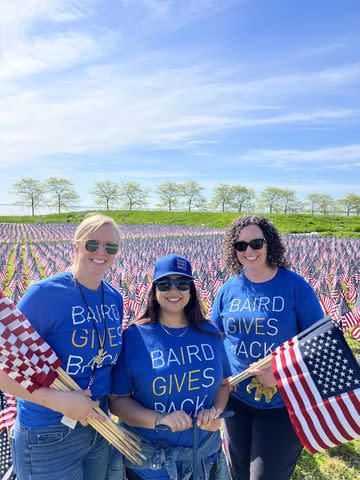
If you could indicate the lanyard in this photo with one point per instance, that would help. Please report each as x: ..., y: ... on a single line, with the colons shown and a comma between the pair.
x: 101, y: 353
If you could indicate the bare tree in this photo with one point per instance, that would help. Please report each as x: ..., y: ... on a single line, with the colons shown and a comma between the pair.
x: 271, y: 198
x: 29, y: 192
x: 351, y: 202
x: 241, y: 197
x: 62, y: 193
x: 288, y: 200
x: 191, y: 192
x: 106, y: 193
x: 168, y: 193
x: 326, y: 204
x: 132, y: 194
x: 222, y: 197
x: 313, y: 201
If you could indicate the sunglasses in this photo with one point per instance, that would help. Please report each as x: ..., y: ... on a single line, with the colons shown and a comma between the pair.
x: 181, y: 284
x: 93, y: 245
x: 255, y: 244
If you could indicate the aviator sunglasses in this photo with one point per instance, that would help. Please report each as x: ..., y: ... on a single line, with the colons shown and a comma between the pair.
x: 93, y: 245
x: 255, y: 244
x: 181, y: 284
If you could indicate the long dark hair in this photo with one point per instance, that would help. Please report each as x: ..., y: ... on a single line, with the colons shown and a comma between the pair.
x: 276, y: 253
x: 193, y: 311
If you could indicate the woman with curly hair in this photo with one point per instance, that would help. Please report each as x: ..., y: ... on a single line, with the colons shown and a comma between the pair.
x: 261, y: 306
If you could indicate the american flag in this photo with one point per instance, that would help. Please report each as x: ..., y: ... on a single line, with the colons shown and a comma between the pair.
x: 5, y: 457
x: 319, y: 380
x: 24, y: 355
x: 355, y: 332
x: 7, y: 419
x: 349, y: 318
x: 7, y: 410
x: 329, y: 264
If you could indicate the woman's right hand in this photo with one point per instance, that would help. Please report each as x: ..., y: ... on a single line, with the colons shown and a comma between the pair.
x: 265, y: 375
x: 177, y: 421
x: 75, y: 405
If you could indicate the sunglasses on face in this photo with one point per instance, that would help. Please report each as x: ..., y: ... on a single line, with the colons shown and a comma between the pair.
x: 93, y: 245
x: 181, y: 284
x: 255, y: 244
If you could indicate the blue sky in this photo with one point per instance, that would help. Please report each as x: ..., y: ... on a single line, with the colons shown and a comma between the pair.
x: 249, y: 92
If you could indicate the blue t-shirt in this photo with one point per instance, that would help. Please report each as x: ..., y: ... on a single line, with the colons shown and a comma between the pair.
x: 56, y: 309
x: 167, y: 372
x: 257, y: 317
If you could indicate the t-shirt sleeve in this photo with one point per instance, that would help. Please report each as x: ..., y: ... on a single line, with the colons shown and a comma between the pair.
x: 121, y: 378
x: 36, y: 305
x: 307, y: 306
x: 216, y: 312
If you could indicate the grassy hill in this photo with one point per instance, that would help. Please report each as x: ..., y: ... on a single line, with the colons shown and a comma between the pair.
x: 294, y: 223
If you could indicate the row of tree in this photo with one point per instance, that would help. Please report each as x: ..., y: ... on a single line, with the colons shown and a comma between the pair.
x: 60, y: 193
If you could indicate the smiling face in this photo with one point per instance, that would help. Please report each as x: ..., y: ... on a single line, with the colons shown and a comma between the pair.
x: 90, y: 267
x: 252, y: 260
x: 172, y: 302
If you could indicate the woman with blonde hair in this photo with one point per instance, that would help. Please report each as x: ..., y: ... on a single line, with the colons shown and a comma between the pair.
x: 80, y: 316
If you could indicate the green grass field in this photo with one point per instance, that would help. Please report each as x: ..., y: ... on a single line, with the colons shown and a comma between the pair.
x: 323, y: 224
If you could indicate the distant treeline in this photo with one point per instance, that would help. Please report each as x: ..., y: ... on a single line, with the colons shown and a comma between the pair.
x: 338, y: 225
x: 60, y: 194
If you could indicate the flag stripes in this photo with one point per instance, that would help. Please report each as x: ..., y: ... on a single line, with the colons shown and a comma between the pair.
x: 320, y: 421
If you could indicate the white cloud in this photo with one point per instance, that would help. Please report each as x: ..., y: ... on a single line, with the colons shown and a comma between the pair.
x: 106, y: 107
x: 338, y: 156
x: 60, y: 52
x: 173, y: 14
x: 18, y: 17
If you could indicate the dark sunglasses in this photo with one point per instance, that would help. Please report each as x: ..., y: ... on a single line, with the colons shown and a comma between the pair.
x: 255, y: 244
x: 181, y: 284
x: 93, y: 245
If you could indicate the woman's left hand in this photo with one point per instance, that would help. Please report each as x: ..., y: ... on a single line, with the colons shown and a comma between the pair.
x: 265, y: 375
x: 207, y: 419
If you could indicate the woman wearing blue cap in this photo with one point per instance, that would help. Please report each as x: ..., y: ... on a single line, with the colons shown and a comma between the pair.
x: 173, y: 368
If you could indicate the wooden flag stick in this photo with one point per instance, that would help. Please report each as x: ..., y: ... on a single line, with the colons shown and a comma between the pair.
x: 262, y: 363
x: 114, y: 440
x: 127, y: 442
x: 66, y: 379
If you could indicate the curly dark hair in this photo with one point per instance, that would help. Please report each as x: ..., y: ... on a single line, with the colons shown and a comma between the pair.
x: 275, y: 248
x: 193, y: 311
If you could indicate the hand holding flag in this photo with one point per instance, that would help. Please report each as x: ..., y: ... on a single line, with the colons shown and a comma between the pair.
x: 26, y: 358
x: 319, y: 380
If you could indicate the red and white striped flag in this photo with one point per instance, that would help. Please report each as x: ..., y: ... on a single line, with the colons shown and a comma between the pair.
x: 24, y: 355
x: 7, y: 410
x: 355, y: 332
x: 16, y: 323
x: 319, y: 380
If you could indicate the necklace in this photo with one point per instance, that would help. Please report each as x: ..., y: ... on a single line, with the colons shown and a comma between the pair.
x: 101, y: 353
x: 171, y: 334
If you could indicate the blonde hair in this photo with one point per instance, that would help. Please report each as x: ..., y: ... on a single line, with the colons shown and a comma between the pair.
x: 89, y: 225
x: 92, y: 223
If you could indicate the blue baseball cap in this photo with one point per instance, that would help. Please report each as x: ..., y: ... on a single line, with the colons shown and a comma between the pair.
x: 172, y: 265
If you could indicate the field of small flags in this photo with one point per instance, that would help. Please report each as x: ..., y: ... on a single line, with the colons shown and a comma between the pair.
x: 29, y: 252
